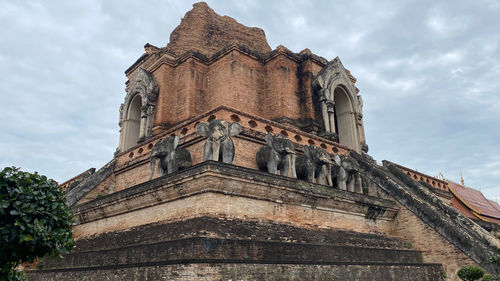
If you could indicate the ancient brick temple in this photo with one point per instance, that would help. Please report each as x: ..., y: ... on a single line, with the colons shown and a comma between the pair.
x: 239, y: 162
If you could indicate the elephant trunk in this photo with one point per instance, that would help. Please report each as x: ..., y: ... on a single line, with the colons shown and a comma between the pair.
x: 292, y: 165
x: 171, y: 163
x: 152, y: 165
x: 215, y: 150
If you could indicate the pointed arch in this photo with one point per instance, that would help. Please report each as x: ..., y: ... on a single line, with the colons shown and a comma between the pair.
x: 334, y: 85
x: 137, y: 112
x: 345, y: 120
x: 133, y: 122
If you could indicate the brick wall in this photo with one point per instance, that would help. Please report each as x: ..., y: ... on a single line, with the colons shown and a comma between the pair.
x: 435, y: 248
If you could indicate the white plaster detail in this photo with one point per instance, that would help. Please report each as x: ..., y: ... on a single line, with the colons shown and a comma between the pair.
x: 138, y: 110
x: 341, y: 107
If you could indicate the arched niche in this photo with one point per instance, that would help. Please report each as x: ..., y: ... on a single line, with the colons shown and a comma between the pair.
x: 138, y: 110
x: 345, y: 120
x: 132, y: 122
x: 340, y: 106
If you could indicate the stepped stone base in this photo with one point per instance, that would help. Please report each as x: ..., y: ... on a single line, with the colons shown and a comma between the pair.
x: 210, y: 248
x: 235, y: 271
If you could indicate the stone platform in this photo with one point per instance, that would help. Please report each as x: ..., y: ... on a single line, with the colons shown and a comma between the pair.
x: 219, y: 249
x: 222, y: 222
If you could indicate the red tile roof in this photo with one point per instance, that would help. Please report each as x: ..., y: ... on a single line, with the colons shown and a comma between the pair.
x: 475, y: 201
x: 457, y: 204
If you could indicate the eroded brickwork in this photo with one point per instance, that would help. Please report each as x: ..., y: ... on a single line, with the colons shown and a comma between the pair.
x: 233, y: 193
x: 435, y: 248
x: 204, y: 31
x: 247, y: 272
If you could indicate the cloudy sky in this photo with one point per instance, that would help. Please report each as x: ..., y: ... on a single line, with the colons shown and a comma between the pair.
x: 428, y: 71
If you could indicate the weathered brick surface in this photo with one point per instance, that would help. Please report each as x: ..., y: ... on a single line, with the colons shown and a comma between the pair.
x: 435, y: 248
x: 204, y: 31
x: 238, y: 251
x: 271, y: 89
x: 244, y: 272
x: 237, y: 229
x: 435, y: 227
x: 241, y: 249
x: 215, y: 189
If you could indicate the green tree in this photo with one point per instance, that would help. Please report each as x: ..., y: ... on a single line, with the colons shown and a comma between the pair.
x: 495, y: 260
x: 488, y: 277
x: 470, y: 273
x: 35, y: 221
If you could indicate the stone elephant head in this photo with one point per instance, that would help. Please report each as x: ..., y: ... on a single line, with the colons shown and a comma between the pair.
x: 315, y: 164
x: 347, y: 173
x: 278, y: 154
x: 171, y: 158
x: 339, y: 173
x: 219, y: 145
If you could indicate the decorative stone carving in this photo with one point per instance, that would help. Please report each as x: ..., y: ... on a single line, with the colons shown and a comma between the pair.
x: 339, y: 111
x: 327, y: 80
x: 279, y: 154
x: 315, y: 164
x: 353, y: 180
x: 339, y: 173
x: 219, y: 145
x: 171, y: 158
x: 144, y: 85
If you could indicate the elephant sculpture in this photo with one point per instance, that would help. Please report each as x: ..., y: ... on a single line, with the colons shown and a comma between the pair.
x: 339, y: 173
x: 171, y: 158
x: 315, y: 164
x: 353, y: 177
x: 219, y: 145
x: 279, y: 154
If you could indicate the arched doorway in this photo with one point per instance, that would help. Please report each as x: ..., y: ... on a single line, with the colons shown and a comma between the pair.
x: 345, y: 122
x: 133, y: 122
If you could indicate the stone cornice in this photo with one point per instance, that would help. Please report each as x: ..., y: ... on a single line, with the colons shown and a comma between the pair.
x: 228, y: 179
x: 164, y: 57
x: 177, y: 128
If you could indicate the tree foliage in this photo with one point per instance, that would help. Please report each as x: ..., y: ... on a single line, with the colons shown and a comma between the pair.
x: 495, y: 260
x: 34, y: 220
x: 488, y: 277
x: 470, y: 273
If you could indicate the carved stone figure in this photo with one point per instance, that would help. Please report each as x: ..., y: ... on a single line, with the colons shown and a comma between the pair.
x: 171, y: 158
x: 315, y: 164
x: 339, y: 173
x: 353, y: 180
x: 279, y: 154
x: 219, y: 145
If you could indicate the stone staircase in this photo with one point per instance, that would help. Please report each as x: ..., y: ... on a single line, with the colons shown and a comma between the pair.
x: 417, y: 197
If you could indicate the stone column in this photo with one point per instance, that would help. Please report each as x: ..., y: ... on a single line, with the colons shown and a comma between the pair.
x: 150, y: 120
x: 143, y: 126
x: 324, y: 109
x: 330, y: 105
x: 121, y: 145
x: 327, y: 110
